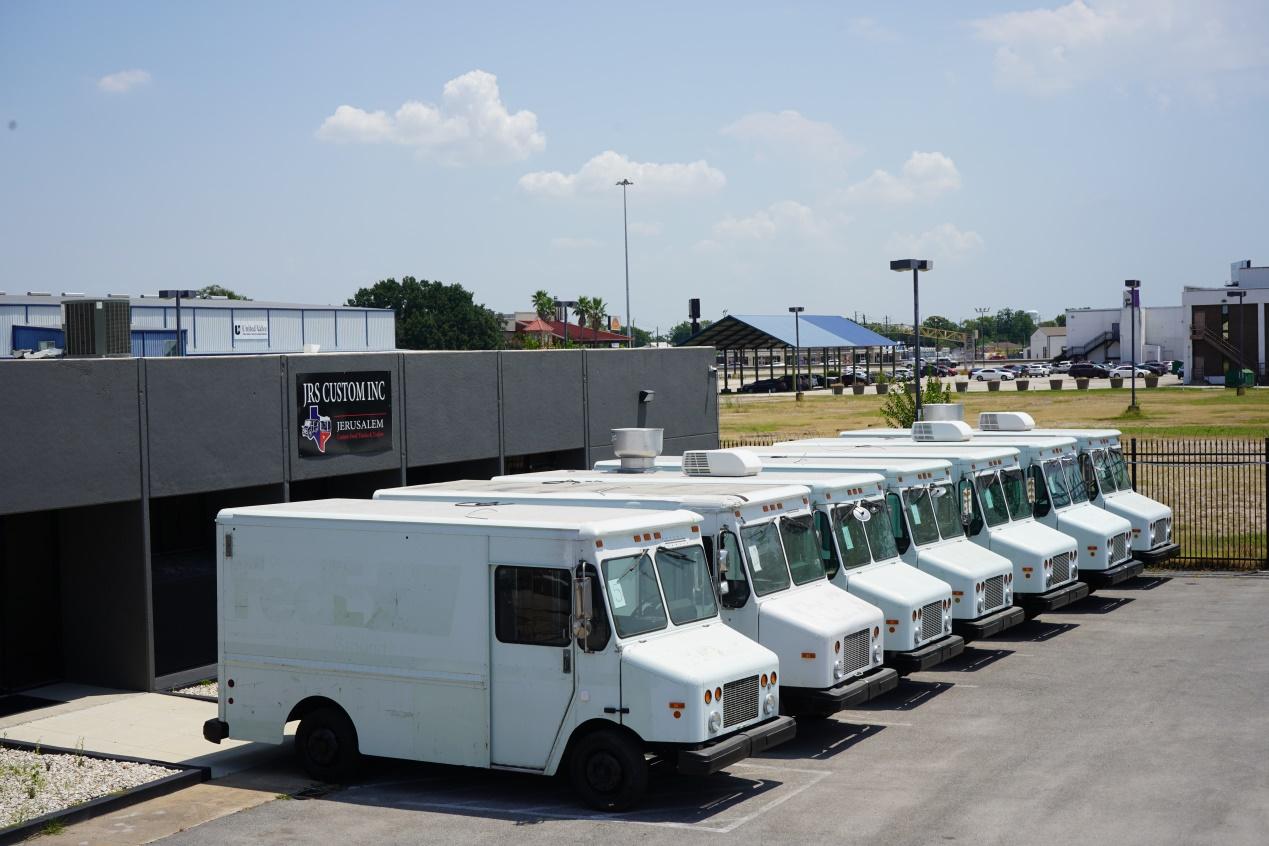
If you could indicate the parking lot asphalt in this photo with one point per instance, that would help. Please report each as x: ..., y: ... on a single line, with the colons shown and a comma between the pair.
x: 1136, y: 716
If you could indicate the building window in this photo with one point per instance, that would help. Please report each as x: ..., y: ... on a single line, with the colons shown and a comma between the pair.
x: 531, y: 605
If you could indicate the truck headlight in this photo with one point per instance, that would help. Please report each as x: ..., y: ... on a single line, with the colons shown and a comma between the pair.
x: 715, y: 721
x: 839, y: 669
x: 769, y: 704
x: 1075, y: 571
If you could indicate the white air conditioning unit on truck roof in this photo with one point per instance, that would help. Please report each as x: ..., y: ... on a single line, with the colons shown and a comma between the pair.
x: 721, y: 462
x: 941, y: 431
x: 1005, y: 421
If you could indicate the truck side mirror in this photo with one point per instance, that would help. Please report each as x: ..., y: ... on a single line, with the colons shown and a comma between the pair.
x: 1031, y: 489
x: 723, y: 556
x: 967, y: 503
x: 583, y: 607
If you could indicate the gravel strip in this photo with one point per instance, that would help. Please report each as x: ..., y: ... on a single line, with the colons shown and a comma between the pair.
x: 32, y: 785
x: 208, y: 688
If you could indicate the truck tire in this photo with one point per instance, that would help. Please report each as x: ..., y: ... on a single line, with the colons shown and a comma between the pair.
x: 608, y: 770
x: 326, y: 743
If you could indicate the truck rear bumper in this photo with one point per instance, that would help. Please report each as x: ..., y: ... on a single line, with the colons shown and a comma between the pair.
x: 925, y: 657
x: 1060, y: 597
x: 726, y: 751
x: 1113, y: 575
x: 1157, y: 555
x: 990, y: 624
x: 808, y: 700
x: 215, y: 730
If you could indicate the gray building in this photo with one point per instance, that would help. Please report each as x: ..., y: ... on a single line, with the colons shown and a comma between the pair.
x: 113, y: 471
x: 218, y: 326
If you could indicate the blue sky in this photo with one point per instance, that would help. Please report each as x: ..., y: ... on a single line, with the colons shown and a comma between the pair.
x: 1040, y: 154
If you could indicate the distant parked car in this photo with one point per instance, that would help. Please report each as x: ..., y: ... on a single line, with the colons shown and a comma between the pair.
x: 856, y: 377
x: 1038, y: 370
x: 1125, y: 370
x: 1062, y: 367
x: 1088, y: 370
x: 1159, y: 368
x: 994, y: 374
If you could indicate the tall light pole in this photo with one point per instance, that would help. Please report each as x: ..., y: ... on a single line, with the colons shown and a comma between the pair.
x: 1242, y: 334
x: 797, y: 351
x: 1133, y: 292
x: 171, y: 293
x: 982, y: 312
x: 625, y: 230
x: 916, y: 266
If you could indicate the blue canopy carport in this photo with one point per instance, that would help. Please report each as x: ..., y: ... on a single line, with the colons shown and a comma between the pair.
x: 737, y: 333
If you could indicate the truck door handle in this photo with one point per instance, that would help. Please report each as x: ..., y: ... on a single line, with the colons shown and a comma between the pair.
x: 611, y: 710
x: 568, y: 661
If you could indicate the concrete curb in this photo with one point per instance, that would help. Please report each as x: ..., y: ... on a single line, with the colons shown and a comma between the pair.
x: 187, y: 776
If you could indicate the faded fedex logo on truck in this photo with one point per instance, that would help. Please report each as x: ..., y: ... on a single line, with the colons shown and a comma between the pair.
x: 344, y: 413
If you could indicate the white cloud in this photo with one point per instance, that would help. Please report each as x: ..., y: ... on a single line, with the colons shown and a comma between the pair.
x: 944, y: 241
x: 605, y: 170
x: 123, y: 81
x: 924, y: 176
x: 470, y: 126
x: 788, y: 132
x: 785, y: 218
x: 1047, y: 51
x: 567, y: 243
x: 647, y: 229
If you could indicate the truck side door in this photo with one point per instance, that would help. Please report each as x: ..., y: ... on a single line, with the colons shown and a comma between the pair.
x: 531, y: 663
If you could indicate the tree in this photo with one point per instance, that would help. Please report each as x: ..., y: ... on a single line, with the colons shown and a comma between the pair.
x: 1060, y: 320
x: 433, y: 315
x: 936, y: 321
x: 598, y: 313
x: 582, y: 310
x: 544, y: 305
x: 899, y: 407
x: 642, y: 338
x: 220, y: 291
x: 680, y: 332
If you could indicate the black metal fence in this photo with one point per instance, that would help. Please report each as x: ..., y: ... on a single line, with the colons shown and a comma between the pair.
x: 1218, y: 489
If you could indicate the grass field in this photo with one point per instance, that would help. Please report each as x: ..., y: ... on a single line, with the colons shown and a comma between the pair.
x: 1165, y: 412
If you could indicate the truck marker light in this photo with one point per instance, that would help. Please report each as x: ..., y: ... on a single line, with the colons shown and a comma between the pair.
x: 599, y: 544
x: 678, y: 714
x: 947, y: 603
x: 1092, y: 549
x: 828, y: 495
x: 709, y: 696
x: 764, y: 675
x: 915, y: 614
x: 837, y: 646
x: 737, y: 513
x: 892, y: 623
x: 958, y: 593
x: 764, y: 508
x: 696, y: 529
x: 647, y: 536
x: 876, y: 630
x: 679, y: 706
x: 656, y: 536
x: 1008, y: 578
x: 806, y: 500
x: 636, y: 538
x: 718, y: 694
x: 773, y: 677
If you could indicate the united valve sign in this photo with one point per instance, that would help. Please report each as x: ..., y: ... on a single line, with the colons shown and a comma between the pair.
x: 344, y: 413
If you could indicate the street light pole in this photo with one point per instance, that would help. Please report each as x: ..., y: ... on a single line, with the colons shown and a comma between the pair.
x: 916, y: 266
x: 797, y: 350
x: 176, y: 294
x: 1134, y: 297
x: 625, y: 236
x: 982, y: 312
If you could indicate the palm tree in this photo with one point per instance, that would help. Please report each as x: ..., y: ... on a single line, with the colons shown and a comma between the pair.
x: 544, y: 305
x: 583, y: 310
x: 598, y: 312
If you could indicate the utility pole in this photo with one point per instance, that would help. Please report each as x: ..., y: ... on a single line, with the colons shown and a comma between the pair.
x: 625, y: 227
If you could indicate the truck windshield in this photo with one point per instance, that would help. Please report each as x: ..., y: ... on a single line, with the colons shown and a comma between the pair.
x: 947, y: 509
x: 803, y: 548
x: 880, y: 536
x: 1056, y: 477
x: 1015, y: 484
x: 1074, y: 479
x: 1115, y: 457
x: 920, y: 516
x: 852, y: 538
x: 767, y: 566
x: 633, y: 594
x: 1105, y: 477
x: 993, y: 497
x: 685, y: 579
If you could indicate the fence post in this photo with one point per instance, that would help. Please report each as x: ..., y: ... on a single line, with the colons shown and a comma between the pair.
x: 1265, y: 456
x: 1134, y: 463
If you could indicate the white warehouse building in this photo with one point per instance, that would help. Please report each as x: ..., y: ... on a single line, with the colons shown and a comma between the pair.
x: 1106, y: 334
x: 214, y: 326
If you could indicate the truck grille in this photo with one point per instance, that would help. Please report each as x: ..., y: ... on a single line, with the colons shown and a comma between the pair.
x: 740, y: 701
x: 1118, y: 548
x: 994, y: 594
x: 855, y: 652
x: 932, y: 620
x: 1160, y: 532
x: 1061, y: 568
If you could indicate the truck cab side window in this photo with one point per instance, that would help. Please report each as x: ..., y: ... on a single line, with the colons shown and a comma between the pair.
x: 898, y: 527
x: 737, y: 593
x: 532, y: 605
x: 600, y: 629
x: 828, y: 554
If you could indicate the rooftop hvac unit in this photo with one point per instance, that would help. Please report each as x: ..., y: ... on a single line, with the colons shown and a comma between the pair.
x: 721, y: 462
x: 941, y: 431
x: 98, y: 328
x: 637, y: 448
x: 1005, y: 421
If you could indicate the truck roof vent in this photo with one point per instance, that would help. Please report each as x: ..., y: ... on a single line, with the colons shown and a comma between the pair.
x: 721, y: 462
x: 637, y: 448
x: 943, y: 431
x: 1005, y: 421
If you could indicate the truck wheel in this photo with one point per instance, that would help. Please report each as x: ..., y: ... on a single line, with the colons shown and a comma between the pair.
x: 608, y: 770
x: 326, y: 743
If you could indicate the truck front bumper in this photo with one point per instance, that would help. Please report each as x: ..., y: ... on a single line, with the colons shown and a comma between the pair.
x: 813, y: 701
x: 722, y: 753
x: 1112, y: 576
x: 215, y: 730
x: 1157, y: 555
x: 989, y: 624
x: 1059, y: 597
x: 925, y: 657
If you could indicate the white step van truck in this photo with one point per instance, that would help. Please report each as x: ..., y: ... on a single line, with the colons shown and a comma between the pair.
x: 1107, y: 482
x: 996, y: 507
x: 860, y: 554
x: 519, y: 637
x: 1103, y: 538
x: 774, y: 591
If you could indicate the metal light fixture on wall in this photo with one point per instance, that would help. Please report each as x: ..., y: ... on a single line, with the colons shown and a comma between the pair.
x: 797, y: 352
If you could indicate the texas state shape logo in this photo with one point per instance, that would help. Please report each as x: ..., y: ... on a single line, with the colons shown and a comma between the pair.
x: 316, y: 428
